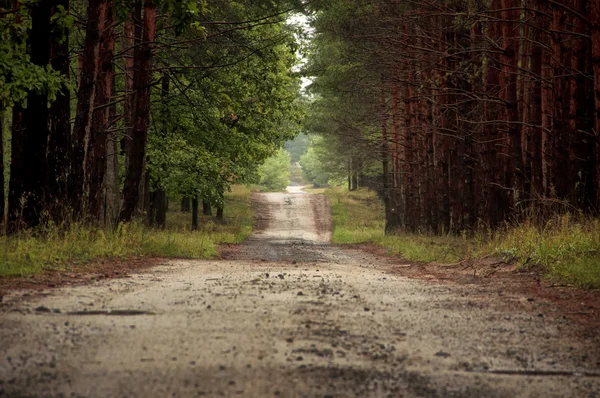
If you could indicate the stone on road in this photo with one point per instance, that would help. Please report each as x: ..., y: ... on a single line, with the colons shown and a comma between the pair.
x: 288, y: 315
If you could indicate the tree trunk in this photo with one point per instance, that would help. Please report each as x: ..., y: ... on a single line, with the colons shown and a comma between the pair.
x: 354, y: 180
x: 142, y: 114
x: 206, y: 207
x: 59, y: 142
x: 15, y: 185
x: 132, y: 37
x: 220, y: 203
x: 29, y: 167
x: 85, y: 104
x: 548, y: 79
x: 508, y: 89
x: 185, y: 205
x: 111, y: 182
x: 595, y: 16
x: 390, y: 221
x: 533, y: 98
x: 97, y: 151
x: 157, y: 212
x: 2, y: 209
x: 195, y: 213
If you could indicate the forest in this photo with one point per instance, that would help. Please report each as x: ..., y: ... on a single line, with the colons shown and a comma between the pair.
x: 463, y: 114
x: 466, y: 117
x: 110, y: 107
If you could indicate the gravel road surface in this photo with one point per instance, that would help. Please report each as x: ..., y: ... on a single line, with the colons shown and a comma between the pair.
x: 289, y: 315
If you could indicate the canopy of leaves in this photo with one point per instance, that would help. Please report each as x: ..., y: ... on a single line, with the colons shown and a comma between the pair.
x: 233, y: 100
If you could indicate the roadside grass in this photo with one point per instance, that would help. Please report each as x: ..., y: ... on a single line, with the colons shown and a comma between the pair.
x: 32, y: 252
x: 567, y: 247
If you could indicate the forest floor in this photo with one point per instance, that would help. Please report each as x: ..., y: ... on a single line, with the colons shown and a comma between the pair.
x: 288, y: 314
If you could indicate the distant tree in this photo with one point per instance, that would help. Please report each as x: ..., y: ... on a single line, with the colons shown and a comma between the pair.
x: 274, y: 172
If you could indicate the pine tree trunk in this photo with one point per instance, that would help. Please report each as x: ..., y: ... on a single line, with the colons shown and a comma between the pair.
x: 2, y: 209
x: 595, y: 17
x: 59, y: 142
x: 111, y: 182
x: 15, y: 185
x: 398, y: 159
x: 534, y: 119
x: 85, y: 105
x: 508, y: 86
x: 142, y: 114
x: 157, y: 210
x: 29, y: 167
x: 547, y: 112
x: 96, y: 159
x: 390, y: 221
x: 132, y: 36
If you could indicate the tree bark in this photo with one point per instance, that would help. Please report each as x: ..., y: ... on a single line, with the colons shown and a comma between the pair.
x: 2, y: 208
x: 595, y: 18
x: 157, y: 212
x: 508, y: 89
x: 195, y: 213
x: 59, y: 142
x: 111, y: 182
x: 29, y: 167
x: 132, y: 36
x: 185, y: 205
x: 142, y: 114
x: 206, y: 207
x: 85, y: 105
x: 15, y: 185
x: 96, y: 159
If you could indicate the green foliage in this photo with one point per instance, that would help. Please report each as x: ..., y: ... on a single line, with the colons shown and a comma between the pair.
x: 232, y: 110
x: 567, y: 247
x: 274, y: 173
x: 18, y: 75
x: 324, y: 164
x: 66, y: 248
x: 297, y: 147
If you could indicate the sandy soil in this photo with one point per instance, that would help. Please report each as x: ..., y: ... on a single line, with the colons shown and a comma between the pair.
x: 287, y: 314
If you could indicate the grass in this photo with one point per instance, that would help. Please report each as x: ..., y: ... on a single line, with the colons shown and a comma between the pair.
x: 567, y: 247
x: 59, y: 249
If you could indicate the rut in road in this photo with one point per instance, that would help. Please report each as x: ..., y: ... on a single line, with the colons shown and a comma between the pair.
x: 289, y: 315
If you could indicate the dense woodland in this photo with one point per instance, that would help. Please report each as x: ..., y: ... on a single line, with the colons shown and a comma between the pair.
x: 480, y: 112
x: 463, y: 114
x: 110, y: 106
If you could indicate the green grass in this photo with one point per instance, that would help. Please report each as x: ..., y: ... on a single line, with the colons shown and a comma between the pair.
x: 567, y: 247
x: 59, y: 249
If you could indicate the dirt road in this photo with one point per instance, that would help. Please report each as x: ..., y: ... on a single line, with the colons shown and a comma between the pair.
x: 288, y: 315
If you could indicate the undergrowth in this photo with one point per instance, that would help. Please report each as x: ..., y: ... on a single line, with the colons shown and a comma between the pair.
x: 567, y: 247
x: 56, y: 248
